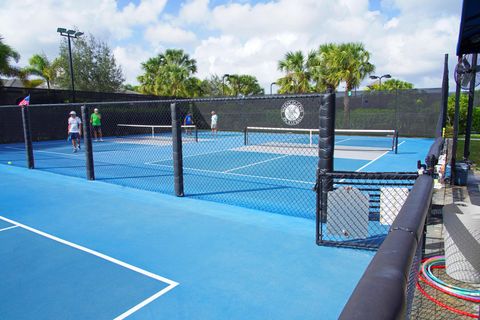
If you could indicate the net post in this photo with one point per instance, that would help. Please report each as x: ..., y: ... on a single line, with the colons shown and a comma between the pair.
x: 245, y: 139
x: 27, y: 134
x: 395, y: 141
x: 87, y: 136
x: 177, y: 151
x: 196, y: 134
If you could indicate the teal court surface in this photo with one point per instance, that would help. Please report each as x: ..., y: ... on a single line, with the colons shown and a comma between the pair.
x: 240, y: 244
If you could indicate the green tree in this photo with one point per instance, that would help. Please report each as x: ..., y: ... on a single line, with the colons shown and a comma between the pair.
x: 243, y: 84
x: 168, y: 74
x: 131, y: 87
x: 334, y: 63
x: 354, y: 67
x: 324, y: 69
x: 212, y: 86
x: 94, y: 66
x: 7, y: 55
x: 39, y: 65
x: 390, y: 85
x: 463, y: 113
x: 297, y: 78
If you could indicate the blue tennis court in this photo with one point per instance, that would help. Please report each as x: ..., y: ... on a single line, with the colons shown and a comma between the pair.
x: 222, y: 168
x: 77, y: 249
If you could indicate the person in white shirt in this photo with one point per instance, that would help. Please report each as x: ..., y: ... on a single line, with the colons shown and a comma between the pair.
x: 214, y: 123
x: 74, y: 130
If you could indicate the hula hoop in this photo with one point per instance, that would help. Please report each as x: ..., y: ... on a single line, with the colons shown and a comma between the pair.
x: 426, y: 276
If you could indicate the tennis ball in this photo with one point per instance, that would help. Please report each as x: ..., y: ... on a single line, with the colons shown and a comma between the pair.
x: 9, y: 162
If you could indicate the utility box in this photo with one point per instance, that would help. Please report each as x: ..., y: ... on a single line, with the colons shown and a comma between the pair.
x: 461, y: 174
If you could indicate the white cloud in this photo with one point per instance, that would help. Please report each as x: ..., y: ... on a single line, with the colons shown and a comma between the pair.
x: 164, y: 33
x: 30, y: 26
x: 239, y: 37
x: 194, y: 11
x: 130, y: 58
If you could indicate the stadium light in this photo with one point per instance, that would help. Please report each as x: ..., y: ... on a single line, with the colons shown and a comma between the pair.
x: 226, y: 75
x: 386, y: 76
x: 70, y: 34
x: 271, y: 85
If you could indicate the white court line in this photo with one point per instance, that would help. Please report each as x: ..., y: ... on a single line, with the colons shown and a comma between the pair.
x: 144, y: 302
x: 8, y: 228
x: 343, y: 140
x: 361, y: 168
x: 52, y: 152
x: 236, y: 174
x: 256, y: 163
x: 171, y: 284
x: 193, y: 155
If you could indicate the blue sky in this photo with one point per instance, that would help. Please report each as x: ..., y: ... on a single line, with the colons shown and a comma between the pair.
x: 406, y: 38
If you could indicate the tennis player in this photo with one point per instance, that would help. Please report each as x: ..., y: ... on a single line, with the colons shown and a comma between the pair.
x: 74, y: 130
x: 96, y: 121
x: 214, y: 123
x: 188, y: 121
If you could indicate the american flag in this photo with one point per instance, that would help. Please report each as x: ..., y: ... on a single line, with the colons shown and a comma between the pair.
x: 25, y: 102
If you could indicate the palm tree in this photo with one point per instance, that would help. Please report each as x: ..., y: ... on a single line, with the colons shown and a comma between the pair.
x: 348, y: 62
x: 297, y: 78
x: 354, y: 67
x: 168, y: 73
x: 7, y: 54
x: 42, y: 67
x: 324, y: 71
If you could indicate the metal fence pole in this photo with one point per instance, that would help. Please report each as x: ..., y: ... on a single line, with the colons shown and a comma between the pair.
x: 27, y: 134
x: 471, y: 95
x: 87, y: 136
x: 177, y: 151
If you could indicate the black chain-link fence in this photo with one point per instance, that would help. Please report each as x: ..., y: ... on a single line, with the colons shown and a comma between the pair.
x: 412, y: 113
x: 357, y: 209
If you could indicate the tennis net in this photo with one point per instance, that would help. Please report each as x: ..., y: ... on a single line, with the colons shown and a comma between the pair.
x: 154, y: 133
x: 345, y: 139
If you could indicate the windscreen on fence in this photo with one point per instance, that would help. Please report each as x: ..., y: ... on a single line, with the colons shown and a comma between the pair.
x: 223, y: 160
x: 413, y: 113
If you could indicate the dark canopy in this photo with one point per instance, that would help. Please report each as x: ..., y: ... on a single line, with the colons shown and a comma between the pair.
x: 469, y: 36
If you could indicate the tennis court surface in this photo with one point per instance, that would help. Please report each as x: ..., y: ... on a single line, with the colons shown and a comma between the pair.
x: 76, y: 249
x: 240, y: 243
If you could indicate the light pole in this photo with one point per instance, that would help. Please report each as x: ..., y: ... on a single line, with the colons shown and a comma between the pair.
x: 226, y: 75
x: 386, y: 76
x: 271, y: 85
x: 70, y: 34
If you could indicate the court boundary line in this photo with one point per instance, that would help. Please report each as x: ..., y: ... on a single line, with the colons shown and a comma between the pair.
x: 52, y: 152
x: 171, y: 284
x: 8, y: 228
x: 236, y: 174
x: 255, y: 163
x: 377, y: 158
x: 189, y: 156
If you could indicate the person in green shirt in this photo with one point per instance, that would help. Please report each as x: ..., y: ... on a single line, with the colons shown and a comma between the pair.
x: 96, y: 121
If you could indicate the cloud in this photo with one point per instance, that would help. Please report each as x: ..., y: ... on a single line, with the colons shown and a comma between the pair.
x: 164, y: 33
x: 194, y: 11
x: 243, y: 37
x: 130, y: 58
x: 30, y: 26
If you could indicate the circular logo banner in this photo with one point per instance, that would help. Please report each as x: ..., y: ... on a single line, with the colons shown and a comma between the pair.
x: 292, y: 112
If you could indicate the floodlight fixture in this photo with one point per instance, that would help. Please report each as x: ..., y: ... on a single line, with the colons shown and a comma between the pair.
x: 70, y: 34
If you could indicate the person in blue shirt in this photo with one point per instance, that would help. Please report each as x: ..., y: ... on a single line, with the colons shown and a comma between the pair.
x: 188, y: 121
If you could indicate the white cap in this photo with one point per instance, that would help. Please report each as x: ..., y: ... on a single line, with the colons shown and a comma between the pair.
x: 95, y: 110
x: 73, y: 112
